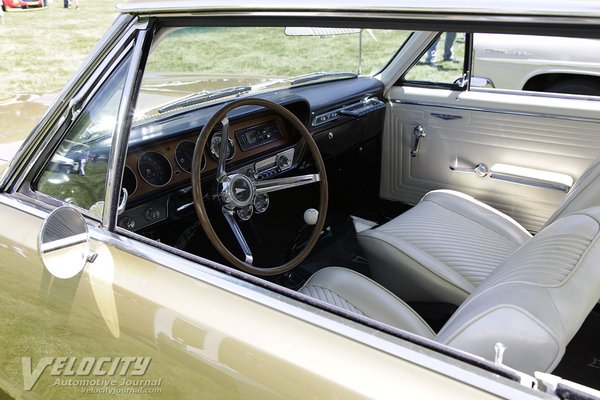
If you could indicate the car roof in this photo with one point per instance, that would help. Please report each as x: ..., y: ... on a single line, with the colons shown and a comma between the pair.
x: 428, y: 9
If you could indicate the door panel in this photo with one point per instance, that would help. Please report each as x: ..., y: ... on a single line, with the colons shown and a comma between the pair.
x: 464, y: 129
x: 156, y: 332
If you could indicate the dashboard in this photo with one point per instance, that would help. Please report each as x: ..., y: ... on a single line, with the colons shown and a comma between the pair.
x: 168, y: 164
x: 158, y: 168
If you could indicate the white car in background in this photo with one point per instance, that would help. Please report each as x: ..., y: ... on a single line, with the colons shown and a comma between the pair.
x: 538, y: 63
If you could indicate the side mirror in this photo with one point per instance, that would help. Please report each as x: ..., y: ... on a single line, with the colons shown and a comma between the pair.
x: 64, y: 243
x: 476, y: 82
x: 481, y: 82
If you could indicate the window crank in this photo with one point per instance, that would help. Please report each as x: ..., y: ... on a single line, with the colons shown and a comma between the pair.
x: 418, y: 133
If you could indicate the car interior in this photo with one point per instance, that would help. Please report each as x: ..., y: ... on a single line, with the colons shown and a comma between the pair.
x: 457, y: 214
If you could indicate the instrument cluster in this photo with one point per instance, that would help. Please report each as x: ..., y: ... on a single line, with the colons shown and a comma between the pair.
x: 169, y: 163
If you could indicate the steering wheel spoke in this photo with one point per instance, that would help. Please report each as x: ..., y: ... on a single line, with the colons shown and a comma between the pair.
x: 223, y: 149
x: 237, y: 232
x: 273, y: 185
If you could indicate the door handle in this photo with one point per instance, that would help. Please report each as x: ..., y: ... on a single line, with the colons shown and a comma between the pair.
x: 480, y: 169
x: 418, y: 133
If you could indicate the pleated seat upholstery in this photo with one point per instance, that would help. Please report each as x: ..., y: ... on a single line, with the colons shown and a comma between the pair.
x: 441, y: 249
x: 534, y: 302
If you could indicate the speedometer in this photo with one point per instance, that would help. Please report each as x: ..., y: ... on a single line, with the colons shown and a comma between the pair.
x: 215, y: 147
x: 154, y: 168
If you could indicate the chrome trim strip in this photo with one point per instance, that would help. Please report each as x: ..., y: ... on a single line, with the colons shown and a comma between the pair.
x: 415, y: 9
x: 116, y: 162
x: 527, y: 181
x: 414, y: 20
x: 446, y: 117
x: 529, y: 93
x: 507, y: 112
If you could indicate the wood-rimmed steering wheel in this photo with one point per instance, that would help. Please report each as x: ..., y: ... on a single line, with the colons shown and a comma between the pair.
x: 238, y: 192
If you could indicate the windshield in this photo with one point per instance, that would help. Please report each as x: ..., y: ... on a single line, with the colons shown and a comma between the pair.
x: 193, y: 63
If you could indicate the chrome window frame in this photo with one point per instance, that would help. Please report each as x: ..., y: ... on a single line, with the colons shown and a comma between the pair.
x: 21, y: 164
x: 81, y: 92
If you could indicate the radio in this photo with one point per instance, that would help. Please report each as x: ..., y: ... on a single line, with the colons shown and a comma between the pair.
x: 274, y: 165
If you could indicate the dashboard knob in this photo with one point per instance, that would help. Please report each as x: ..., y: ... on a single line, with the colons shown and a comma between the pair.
x: 283, y: 162
x: 128, y: 223
x: 152, y: 214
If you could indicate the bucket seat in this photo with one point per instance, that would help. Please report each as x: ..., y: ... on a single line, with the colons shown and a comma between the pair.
x: 448, y: 244
x: 533, y: 302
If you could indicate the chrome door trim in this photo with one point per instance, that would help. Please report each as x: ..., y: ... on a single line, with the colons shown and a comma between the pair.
x: 487, y: 110
x: 116, y: 162
x: 522, y: 180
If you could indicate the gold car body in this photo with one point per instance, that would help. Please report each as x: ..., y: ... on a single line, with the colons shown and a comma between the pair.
x: 208, y: 332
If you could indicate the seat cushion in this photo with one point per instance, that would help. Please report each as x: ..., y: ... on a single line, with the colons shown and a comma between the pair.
x: 442, y: 248
x: 354, y: 292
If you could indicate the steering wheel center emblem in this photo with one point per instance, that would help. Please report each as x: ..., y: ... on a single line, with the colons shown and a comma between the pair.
x: 242, y: 189
x: 236, y: 191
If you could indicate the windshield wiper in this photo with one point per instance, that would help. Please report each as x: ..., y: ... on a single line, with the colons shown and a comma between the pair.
x: 315, y: 76
x: 204, y: 96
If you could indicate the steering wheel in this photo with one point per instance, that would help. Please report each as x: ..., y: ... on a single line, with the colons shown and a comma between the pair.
x: 237, y: 192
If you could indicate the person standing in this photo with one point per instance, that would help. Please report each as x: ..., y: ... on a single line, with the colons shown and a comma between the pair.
x: 448, y: 54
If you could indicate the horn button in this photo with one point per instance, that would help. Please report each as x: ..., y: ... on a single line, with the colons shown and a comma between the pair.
x: 236, y: 191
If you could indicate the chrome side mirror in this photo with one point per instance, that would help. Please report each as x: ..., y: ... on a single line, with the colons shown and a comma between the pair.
x: 64, y: 243
x: 481, y: 82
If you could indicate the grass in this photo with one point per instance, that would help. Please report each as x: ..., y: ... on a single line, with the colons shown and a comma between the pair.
x: 230, y: 50
x: 42, y: 49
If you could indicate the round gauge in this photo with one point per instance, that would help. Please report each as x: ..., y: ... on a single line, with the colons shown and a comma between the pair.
x: 129, y: 181
x: 154, y: 168
x: 215, y: 147
x: 184, y: 153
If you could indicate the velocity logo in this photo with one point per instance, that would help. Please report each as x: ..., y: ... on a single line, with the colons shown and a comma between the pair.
x: 86, y: 366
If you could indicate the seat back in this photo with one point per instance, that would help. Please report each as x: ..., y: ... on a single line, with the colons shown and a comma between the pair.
x: 535, y: 301
x: 585, y: 193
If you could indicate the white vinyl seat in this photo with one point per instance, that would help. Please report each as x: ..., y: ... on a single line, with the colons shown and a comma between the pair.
x: 533, y: 302
x: 441, y: 249
x: 445, y: 246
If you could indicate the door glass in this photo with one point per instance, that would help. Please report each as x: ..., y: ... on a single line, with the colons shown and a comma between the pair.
x: 76, y: 173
